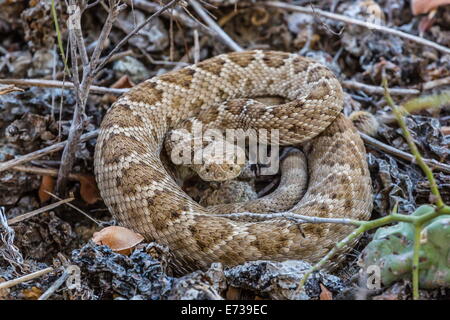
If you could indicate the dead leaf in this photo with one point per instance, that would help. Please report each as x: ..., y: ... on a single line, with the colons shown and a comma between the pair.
x: 445, y: 131
x: 88, y: 189
x: 123, y: 83
x: 47, y: 185
x: 233, y: 293
x: 119, y: 239
x: 325, y: 294
x: 32, y: 293
x: 425, y: 6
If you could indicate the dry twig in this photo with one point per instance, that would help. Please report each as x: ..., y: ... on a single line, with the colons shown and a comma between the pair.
x: 436, y: 83
x: 9, y: 89
x: 351, y: 84
x: 90, y: 68
x: 352, y: 21
x: 76, y: 209
x: 42, y: 152
x: 28, y: 277
x: 132, y: 33
x: 223, y: 36
x: 58, y: 84
x: 401, y: 154
x: 33, y: 213
x: 82, y: 87
x: 57, y: 284
x: 177, y: 15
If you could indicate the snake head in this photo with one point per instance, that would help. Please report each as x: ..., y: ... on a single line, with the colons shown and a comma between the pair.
x: 219, y: 171
x: 221, y: 162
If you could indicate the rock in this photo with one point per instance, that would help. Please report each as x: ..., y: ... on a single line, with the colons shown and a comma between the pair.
x: 133, y: 68
x: 153, y: 37
x: 279, y: 280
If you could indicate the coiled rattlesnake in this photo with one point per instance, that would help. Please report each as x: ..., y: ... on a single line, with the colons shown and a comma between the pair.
x: 142, y: 196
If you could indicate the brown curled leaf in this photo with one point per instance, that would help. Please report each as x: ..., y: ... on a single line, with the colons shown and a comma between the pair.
x: 47, y: 185
x: 425, y: 6
x: 445, y: 131
x: 325, y: 294
x: 123, y: 82
x: 88, y: 189
x: 119, y: 239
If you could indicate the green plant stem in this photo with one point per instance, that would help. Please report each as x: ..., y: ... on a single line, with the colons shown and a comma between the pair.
x: 444, y: 210
x: 427, y: 102
x: 355, y: 233
x: 59, y: 37
x: 415, y: 262
x: 412, y: 146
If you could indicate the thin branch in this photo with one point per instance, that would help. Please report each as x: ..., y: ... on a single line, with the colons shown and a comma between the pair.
x: 352, y: 21
x: 46, y: 172
x: 370, y: 89
x: 58, y: 84
x: 8, y: 89
x: 196, y: 47
x: 42, y: 152
x: 76, y: 128
x: 76, y: 208
x: 76, y: 10
x: 56, y: 285
x: 162, y: 62
x: 28, y: 277
x: 107, y: 26
x: 298, y: 218
x: 350, y: 84
x: 223, y: 36
x: 33, y: 213
x: 82, y: 88
x: 132, y: 33
x: 402, y: 154
x: 436, y: 83
x: 58, y: 36
x: 427, y: 102
x: 179, y: 16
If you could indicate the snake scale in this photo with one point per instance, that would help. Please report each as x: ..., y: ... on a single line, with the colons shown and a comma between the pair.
x: 142, y: 196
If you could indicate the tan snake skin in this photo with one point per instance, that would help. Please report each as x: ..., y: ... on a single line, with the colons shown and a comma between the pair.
x: 142, y: 196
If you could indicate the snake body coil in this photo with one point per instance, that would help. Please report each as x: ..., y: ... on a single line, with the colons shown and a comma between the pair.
x: 142, y: 196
